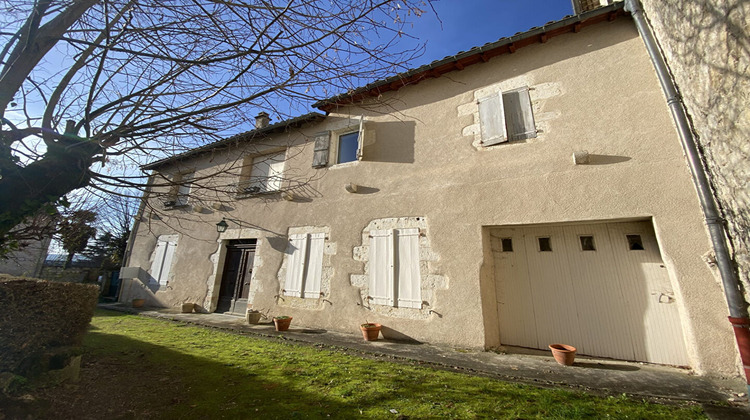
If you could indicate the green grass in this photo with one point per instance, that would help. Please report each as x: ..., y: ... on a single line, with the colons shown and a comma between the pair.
x: 213, y: 374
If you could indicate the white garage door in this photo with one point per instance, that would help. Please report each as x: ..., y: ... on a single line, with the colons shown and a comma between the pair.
x: 602, y: 288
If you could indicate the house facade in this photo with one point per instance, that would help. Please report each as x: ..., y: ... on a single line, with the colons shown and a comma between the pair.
x: 523, y: 193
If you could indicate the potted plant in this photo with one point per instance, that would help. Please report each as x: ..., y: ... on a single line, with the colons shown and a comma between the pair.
x: 564, y: 354
x: 370, y: 331
x: 282, y: 322
x: 253, y: 316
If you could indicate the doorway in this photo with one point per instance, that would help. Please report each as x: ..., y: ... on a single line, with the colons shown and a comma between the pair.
x: 235, y: 280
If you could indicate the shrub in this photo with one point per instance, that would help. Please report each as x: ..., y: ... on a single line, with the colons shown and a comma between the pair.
x: 37, y: 316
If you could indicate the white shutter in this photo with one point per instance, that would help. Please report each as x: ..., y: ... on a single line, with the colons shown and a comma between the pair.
x: 409, y: 282
x: 167, y: 262
x: 266, y: 173
x: 492, y: 120
x: 275, y: 171
x: 295, y: 267
x: 183, y: 191
x: 314, y: 265
x: 157, y: 264
x: 381, y: 267
x: 519, y: 114
x: 361, y: 138
x: 322, y: 147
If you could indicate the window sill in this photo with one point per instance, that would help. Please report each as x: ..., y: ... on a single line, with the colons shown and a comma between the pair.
x: 243, y: 196
x: 175, y: 207
x: 344, y: 165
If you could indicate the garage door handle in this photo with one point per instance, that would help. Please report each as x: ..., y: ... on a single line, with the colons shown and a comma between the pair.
x: 668, y: 299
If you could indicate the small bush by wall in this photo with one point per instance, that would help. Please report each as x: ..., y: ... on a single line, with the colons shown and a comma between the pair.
x: 37, y: 317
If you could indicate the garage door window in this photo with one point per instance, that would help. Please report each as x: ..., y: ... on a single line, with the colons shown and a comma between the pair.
x: 587, y: 243
x: 545, y: 244
x: 507, y: 244
x: 635, y: 243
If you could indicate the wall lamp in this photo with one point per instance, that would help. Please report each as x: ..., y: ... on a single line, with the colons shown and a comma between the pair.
x: 222, y: 226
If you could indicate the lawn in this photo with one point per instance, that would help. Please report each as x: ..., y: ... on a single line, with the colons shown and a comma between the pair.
x: 137, y: 367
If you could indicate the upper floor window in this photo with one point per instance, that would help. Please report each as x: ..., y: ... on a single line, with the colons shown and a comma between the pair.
x: 506, y: 116
x: 262, y: 173
x: 179, y: 192
x: 347, y: 145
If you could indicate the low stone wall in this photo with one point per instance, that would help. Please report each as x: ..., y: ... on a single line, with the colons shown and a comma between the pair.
x: 70, y: 274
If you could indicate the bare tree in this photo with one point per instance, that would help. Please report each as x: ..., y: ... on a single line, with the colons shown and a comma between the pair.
x: 89, y: 88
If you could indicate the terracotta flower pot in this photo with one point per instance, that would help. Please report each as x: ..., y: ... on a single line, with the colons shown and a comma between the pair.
x: 187, y: 308
x: 563, y: 353
x: 370, y: 332
x: 282, y: 323
x: 138, y: 303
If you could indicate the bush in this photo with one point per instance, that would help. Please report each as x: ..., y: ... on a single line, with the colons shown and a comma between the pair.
x: 37, y: 317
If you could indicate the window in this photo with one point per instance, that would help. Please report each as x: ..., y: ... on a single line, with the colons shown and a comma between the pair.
x: 348, y: 144
x: 348, y: 147
x: 394, y: 268
x: 263, y: 174
x: 635, y: 243
x: 179, y: 193
x: 506, y: 116
x: 507, y: 244
x: 545, y: 244
x: 587, y: 243
x: 304, y: 265
x: 163, y: 256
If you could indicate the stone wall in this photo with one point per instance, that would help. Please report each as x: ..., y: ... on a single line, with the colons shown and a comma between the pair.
x: 707, y: 46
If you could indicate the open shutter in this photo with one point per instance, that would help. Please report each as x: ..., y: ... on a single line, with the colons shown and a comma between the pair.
x: 295, y: 268
x: 518, y: 114
x: 361, y: 138
x: 167, y: 262
x: 409, y: 282
x: 492, y: 120
x: 322, y: 147
x: 158, y: 263
x: 183, y: 191
x: 275, y: 171
x: 381, y: 267
x: 314, y: 265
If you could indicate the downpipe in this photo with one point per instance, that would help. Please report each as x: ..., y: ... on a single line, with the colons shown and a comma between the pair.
x: 732, y: 290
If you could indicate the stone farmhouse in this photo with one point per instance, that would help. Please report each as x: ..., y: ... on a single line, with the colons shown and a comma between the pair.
x: 526, y: 192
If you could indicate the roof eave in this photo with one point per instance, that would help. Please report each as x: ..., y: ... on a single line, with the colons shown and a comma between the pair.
x: 476, y: 55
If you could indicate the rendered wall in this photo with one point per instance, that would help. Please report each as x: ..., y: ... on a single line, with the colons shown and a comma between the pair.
x: 594, y: 90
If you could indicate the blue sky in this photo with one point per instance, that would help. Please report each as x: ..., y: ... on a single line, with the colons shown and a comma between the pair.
x: 470, y: 23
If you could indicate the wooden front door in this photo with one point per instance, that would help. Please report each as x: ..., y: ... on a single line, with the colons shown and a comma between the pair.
x: 235, y: 280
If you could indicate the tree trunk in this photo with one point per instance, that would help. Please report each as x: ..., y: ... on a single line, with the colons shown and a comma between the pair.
x: 26, y: 190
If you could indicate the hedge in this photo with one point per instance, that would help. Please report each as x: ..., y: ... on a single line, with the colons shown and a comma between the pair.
x: 38, y: 316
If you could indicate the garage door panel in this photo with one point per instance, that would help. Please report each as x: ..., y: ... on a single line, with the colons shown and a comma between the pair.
x: 657, y: 332
x: 551, y: 287
x: 599, y: 293
x: 514, y: 299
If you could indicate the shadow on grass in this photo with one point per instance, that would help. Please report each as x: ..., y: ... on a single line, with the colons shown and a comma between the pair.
x: 240, y: 380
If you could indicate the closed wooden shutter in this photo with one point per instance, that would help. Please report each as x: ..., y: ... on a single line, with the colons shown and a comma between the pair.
x: 409, y: 289
x: 381, y: 267
x: 322, y: 147
x: 314, y: 265
x: 492, y: 120
x: 295, y: 269
x: 162, y: 264
x: 361, y: 139
x: 519, y: 117
x: 167, y: 263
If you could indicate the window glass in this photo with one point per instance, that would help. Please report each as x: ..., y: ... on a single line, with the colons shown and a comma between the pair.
x: 545, y: 244
x: 348, y: 147
x: 507, y: 244
x: 587, y: 243
x: 635, y: 243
